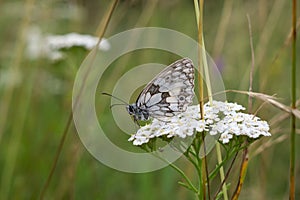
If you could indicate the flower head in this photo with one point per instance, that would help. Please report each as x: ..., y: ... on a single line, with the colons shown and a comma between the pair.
x: 221, y: 118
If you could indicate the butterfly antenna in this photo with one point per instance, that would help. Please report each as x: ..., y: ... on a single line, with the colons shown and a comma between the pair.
x: 118, y: 104
x: 104, y: 93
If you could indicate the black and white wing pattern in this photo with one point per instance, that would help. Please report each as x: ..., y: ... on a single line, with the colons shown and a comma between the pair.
x: 168, y: 94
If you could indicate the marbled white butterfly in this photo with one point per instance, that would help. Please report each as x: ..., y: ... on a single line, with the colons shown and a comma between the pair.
x: 168, y: 94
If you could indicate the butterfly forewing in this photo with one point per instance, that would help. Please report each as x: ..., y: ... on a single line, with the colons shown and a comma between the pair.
x: 170, y: 92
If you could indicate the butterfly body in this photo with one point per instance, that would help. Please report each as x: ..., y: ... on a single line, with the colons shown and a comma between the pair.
x: 138, y: 113
x: 168, y: 94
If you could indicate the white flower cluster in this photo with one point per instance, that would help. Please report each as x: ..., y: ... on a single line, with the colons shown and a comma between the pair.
x: 224, y: 118
x: 49, y: 46
x: 220, y: 118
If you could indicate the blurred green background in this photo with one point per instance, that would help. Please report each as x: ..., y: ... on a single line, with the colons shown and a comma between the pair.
x: 36, y: 94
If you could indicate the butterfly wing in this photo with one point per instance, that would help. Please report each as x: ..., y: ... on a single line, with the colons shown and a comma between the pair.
x: 170, y: 92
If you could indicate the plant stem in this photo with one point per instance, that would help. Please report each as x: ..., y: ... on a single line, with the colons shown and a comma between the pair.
x: 202, y: 177
x: 245, y: 158
x: 202, y: 63
x: 189, y: 182
x: 200, y: 57
x: 200, y: 169
x: 252, y: 65
x: 227, y: 174
x: 293, y: 118
x: 242, y: 175
x: 222, y: 176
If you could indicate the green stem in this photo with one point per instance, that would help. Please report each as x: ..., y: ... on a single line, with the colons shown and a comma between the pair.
x: 222, y: 174
x: 189, y: 182
x: 293, y: 118
x: 198, y: 166
x: 192, y: 160
x: 201, y: 182
x: 227, y: 174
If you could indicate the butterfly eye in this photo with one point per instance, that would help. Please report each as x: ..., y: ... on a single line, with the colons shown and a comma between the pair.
x: 129, y: 109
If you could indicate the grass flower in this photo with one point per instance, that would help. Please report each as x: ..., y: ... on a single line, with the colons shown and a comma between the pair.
x: 220, y: 118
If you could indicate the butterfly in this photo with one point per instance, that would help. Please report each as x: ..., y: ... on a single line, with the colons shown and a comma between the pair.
x: 167, y: 94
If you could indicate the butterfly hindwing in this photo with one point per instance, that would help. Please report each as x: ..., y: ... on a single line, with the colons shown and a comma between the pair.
x: 170, y: 92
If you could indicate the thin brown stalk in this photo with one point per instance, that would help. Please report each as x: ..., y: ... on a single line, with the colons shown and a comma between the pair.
x: 200, y: 60
x: 245, y: 158
x: 226, y: 176
x: 101, y: 30
x: 281, y: 116
x: 252, y: 64
x: 242, y: 175
x: 205, y: 167
x: 265, y: 37
x: 199, y: 10
x: 293, y: 117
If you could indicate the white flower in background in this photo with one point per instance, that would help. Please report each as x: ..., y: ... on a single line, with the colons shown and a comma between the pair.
x: 221, y: 118
x: 75, y: 39
x: 49, y: 46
